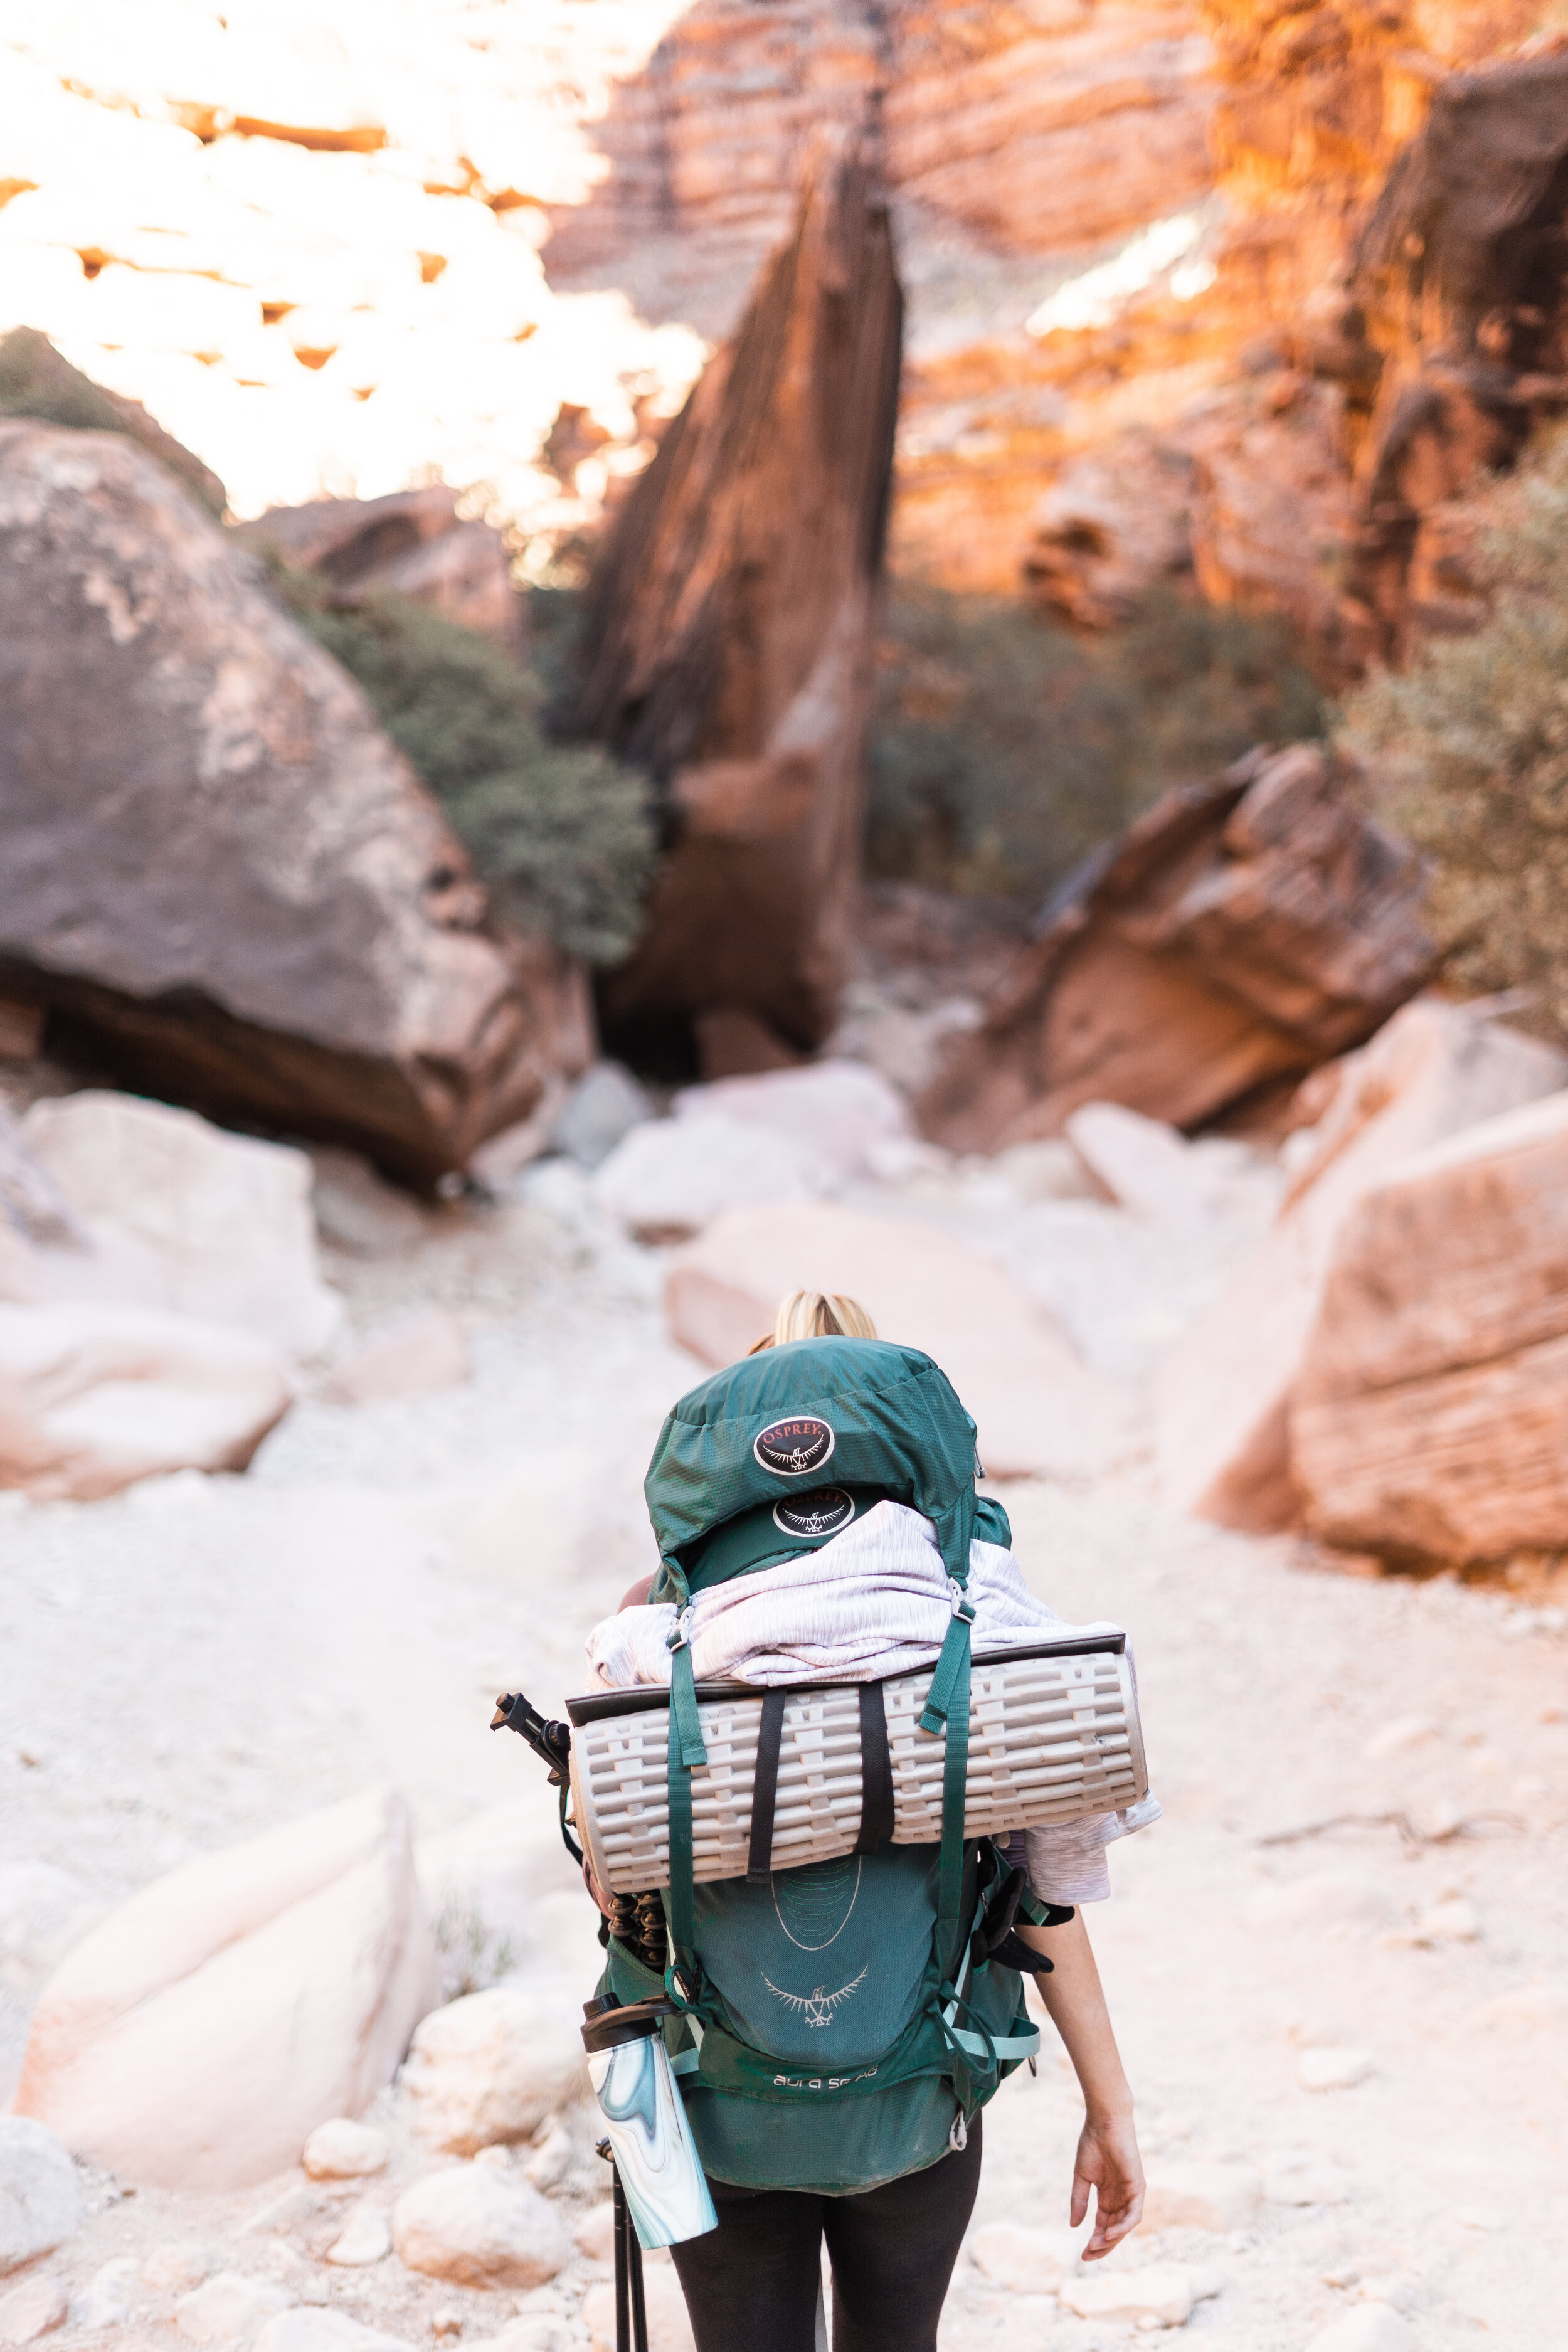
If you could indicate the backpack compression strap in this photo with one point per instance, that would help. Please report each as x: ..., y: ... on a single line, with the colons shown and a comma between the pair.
x: 686, y: 1752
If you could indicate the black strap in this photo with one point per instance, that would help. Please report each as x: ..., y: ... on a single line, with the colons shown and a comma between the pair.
x: 876, y: 1772
x: 765, y: 1789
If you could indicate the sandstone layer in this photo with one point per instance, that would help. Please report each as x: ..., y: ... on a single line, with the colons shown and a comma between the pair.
x: 728, y: 639
x: 219, y: 875
x: 1237, y: 932
x: 1430, y: 1415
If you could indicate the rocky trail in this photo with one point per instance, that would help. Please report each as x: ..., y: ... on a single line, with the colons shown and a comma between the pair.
x: 1336, y: 1965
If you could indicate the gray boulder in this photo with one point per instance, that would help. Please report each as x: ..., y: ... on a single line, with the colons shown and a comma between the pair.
x: 40, y: 2196
x: 216, y: 870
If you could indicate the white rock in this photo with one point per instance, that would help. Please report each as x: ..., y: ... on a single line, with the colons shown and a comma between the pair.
x: 1038, y: 1408
x: 185, y: 1216
x: 109, y: 2295
x: 35, y: 2308
x: 1162, y: 2293
x: 1371, y: 2327
x: 40, y: 2196
x: 668, y: 2327
x: 1024, y: 2259
x: 1217, y: 1188
x: 176, y: 2265
x: 341, y: 2149
x: 324, y: 2331
x: 671, y: 1176
x: 43, y: 1912
x: 418, y: 1357
x: 231, y: 2308
x: 94, y: 1396
x: 553, y: 2159
x: 490, y: 2067
x: 1453, y: 1921
x: 1202, y: 2197
x: 1293, y: 2177
x: 1395, y: 1738
x: 599, y: 1111
x: 197, y: 2037
x: 596, y: 2233
x: 1528, y: 2009
x: 478, y: 2227
x: 840, y: 1109
x: 1326, y: 1897
x: 366, y: 2238
x: 1333, y: 2070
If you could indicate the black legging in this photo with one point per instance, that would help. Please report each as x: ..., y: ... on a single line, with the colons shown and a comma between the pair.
x: 750, y: 2285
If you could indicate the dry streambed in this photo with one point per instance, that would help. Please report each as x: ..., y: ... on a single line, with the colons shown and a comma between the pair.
x: 1350, y: 2047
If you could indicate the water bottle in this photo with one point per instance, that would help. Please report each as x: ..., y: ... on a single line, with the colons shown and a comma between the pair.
x: 649, y: 2136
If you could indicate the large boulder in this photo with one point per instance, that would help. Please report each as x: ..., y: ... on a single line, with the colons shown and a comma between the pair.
x: 1430, y: 1414
x: 780, y: 1135
x: 1222, y: 1397
x: 488, y: 2068
x: 410, y: 543
x: 197, y: 2037
x: 216, y: 869
x: 173, y: 1212
x: 1037, y: 1407
x: 95, y: 1395
x: 729, y: 639
x: 1239, y: 932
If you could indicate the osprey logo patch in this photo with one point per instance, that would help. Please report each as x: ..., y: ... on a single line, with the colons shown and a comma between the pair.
x: 817, y: 2008
x: 795, y: 1446
x: 821, y: 1513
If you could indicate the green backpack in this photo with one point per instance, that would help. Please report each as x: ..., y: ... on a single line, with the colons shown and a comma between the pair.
x: 840, y: 2025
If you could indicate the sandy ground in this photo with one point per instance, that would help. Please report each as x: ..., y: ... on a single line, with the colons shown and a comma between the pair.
x: 187, y: 1664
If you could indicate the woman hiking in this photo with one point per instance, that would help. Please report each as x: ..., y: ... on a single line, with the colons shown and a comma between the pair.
x: 839, y: 2027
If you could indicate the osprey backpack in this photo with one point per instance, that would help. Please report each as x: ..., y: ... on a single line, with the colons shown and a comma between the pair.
x: 837, y: 2025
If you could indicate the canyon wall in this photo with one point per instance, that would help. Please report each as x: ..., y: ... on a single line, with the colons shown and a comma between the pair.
x: 491, y: 247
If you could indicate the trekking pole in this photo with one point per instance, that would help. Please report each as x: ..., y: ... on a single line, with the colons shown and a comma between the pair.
x: 631, y: 2313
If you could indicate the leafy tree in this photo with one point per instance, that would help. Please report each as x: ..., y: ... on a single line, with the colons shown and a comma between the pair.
x: 1467, y: 750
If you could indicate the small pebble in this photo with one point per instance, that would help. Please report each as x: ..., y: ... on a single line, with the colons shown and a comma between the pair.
x: 1333, y: 2070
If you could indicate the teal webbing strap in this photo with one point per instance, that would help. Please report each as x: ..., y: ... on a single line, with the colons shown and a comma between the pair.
x: 952, y: 1662
x: 1006, y: 2045
x: 686, y: 1751
x: 954, y: 1774
x: 684, y: 1721
x: 683, y: 1900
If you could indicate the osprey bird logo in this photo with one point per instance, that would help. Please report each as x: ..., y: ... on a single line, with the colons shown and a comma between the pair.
x: 817, y: 2008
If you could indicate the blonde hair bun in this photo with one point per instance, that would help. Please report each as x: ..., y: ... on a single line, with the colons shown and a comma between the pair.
x: 817, y: 1315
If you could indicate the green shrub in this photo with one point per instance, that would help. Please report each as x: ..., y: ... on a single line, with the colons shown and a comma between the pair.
x: 1006, y: 747
x: 564, y: 836
x: 1467, y: 751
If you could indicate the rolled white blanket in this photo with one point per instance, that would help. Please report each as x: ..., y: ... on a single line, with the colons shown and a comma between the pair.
x: 874, y: 1601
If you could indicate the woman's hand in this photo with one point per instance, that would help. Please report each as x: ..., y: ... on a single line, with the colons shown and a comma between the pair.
x: 1108, y: 2160
x: 1109, y: 2163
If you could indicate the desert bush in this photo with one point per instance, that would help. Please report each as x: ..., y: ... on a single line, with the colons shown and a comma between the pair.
x: 563, y: 834
x: 1467, y: 751
x: 1006, y: 747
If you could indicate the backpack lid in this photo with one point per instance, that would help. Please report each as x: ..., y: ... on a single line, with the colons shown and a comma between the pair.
x: 850, y: 1413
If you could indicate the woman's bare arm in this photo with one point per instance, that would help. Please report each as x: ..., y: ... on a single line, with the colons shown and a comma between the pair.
x: 1108, y: 2160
